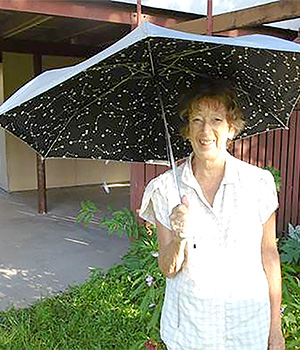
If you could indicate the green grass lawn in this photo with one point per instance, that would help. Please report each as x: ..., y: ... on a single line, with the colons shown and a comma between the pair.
x: 95, y: 315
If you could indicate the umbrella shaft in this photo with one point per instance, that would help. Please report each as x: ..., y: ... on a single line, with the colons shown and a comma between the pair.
x: 169, y: 145
x: 168, y: 139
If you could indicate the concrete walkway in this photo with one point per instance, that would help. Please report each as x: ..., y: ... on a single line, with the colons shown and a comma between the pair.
x: 43, y: 254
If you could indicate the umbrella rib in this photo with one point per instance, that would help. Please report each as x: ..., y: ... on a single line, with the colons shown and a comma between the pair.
x: 78, y: 111
x: 132, y: 70
x: 245, y: 93
x: 279, y: 121
x: 127, y: 65
x: 188, y: 54
x: 132, y: 78
x: 191, y: 52
x: 177, y: 69
x: 185, y: 70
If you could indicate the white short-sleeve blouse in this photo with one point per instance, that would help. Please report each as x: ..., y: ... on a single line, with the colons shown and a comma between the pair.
x: 220, y: 299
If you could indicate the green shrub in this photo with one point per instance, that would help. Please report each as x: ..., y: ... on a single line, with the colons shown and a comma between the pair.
x: 290, y: 245
x: 277, y: 177
x: 291, y: 305
x: 121, y: 221
x: 147, y: 284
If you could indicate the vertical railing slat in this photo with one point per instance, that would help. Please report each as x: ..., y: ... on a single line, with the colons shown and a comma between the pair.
x: 246, y: 150
x: 150, y: 172
x: 283, y: 171
x: 296, y: 181
x: 137, y: 185
x: 270, y: 148
x: 290, y: 169
x: 262, y: 150
x: 253, y: 150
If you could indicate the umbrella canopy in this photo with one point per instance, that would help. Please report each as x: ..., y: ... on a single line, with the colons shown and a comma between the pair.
x: 110, y: 106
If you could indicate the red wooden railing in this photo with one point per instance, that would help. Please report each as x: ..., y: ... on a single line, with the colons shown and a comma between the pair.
x: 279, y: 149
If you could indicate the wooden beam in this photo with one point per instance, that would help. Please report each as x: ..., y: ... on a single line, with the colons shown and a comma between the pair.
x: 87, y: 10
x: 50, y: 49
x: 266, y: 30
x: 34, y: 22
x: 105, y: 11
x: 251, y: 17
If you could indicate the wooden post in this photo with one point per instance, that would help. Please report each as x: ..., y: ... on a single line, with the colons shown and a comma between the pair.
x: 40, y: 161
x: 137, y: 181
x: 209, y: 17
x: 4, y: 184
x: 41, y: 181
x: 139, y: 12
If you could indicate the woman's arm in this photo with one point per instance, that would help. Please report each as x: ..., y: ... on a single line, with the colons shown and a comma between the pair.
x: 172, y: 245
x: 171, y: 251
x: 271, y: 264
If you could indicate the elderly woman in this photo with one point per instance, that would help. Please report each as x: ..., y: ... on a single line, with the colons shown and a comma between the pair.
x: 217, y: 248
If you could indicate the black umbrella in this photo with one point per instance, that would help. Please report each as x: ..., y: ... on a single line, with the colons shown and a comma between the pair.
x: 111, y: 106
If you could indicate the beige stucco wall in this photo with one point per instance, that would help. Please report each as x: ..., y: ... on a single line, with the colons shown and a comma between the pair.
x: 3, y: 163
x: 21, y: 160
x: 74, y: 172
x: 17, y: 70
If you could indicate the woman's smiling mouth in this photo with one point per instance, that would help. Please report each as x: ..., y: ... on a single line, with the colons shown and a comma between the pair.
x: 206, y: 142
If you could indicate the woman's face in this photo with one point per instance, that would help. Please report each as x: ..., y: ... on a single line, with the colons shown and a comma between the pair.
x: 209, y: 130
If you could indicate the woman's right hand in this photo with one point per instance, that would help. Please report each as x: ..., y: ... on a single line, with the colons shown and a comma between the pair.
x: 178, y: 219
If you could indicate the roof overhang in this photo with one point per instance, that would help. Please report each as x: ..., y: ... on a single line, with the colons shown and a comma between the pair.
x: 251, y: 17
x: 73, y: 28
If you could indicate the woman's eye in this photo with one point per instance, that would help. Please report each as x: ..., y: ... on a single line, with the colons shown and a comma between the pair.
x: 217, y: 119
x: 197, y: 120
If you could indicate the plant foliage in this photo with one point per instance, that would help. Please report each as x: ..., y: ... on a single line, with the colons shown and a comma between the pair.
x: 291, y: 305
x: 147, y: 283
x: 121, y: 221
x: 277, y: 177
x: 290, y: 246
x: 140, y: 263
